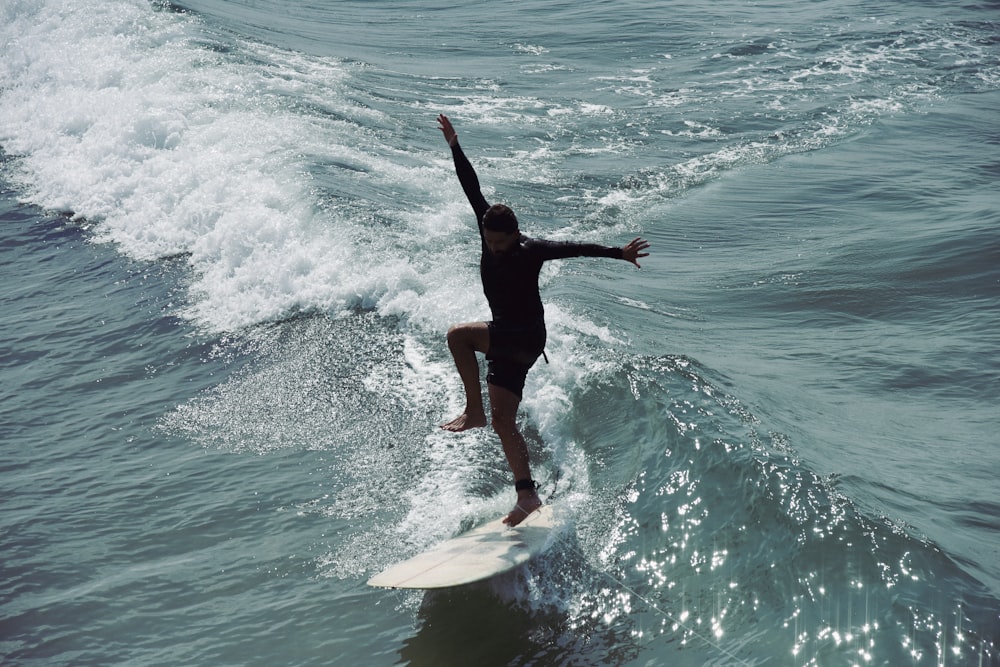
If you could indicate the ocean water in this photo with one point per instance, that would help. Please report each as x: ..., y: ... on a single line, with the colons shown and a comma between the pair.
x: 232, y: 242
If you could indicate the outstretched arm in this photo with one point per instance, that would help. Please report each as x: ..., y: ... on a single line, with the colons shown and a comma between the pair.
x: 630, y: 252
x: 633, y: 250
x: 466, y: 174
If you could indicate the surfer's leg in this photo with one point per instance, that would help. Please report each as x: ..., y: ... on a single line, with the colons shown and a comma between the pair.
x: 464, y: 340
x: 503, y: 406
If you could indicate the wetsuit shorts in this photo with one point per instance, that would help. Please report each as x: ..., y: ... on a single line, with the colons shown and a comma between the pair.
x: 514, y: 348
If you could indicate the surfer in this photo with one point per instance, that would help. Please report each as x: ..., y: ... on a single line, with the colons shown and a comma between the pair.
x: 515, y: 338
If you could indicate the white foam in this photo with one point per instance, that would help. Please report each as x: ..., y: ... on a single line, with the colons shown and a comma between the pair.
x: 168, y: 148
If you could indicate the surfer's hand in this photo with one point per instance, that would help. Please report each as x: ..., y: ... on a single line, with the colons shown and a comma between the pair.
x: 450, y: 135
x: 632, y: 251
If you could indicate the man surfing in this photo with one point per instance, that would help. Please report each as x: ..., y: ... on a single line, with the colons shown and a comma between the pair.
x: 509, y: 266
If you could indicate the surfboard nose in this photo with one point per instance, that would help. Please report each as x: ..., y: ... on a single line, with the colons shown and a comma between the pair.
x: 481, y: 553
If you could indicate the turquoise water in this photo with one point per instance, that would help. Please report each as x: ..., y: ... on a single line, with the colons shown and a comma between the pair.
x: 232, y: 242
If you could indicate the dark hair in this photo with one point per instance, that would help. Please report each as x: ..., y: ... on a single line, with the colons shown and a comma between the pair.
x: 499, y: 218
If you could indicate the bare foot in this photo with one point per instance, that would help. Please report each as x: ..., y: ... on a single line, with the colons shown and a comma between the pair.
x: 464, y: 422
x: 522, y: 509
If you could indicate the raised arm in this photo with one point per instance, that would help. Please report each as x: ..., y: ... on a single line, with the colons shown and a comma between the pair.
x: 450, y: 135
x: 466, y: 174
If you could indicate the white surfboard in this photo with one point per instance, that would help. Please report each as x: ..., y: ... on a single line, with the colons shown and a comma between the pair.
x: 481, y: 553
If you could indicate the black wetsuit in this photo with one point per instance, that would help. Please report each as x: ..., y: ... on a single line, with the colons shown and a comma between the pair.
x: 510, y: 282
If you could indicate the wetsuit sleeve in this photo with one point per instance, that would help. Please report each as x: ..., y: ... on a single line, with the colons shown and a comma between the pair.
x: 563, y: 249
x: 470, y: 183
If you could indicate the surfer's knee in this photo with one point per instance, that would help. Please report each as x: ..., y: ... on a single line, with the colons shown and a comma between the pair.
x: 469, y: 335
x: 455, y: 335
x: 503, y: 423
x: 505, y: 429
x: 503, y: 410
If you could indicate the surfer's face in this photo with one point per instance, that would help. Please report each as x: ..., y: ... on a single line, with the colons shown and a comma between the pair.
x: 500, y: 243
